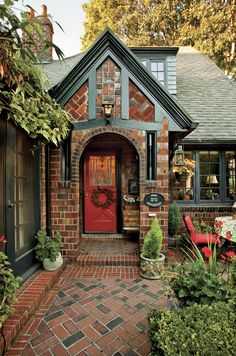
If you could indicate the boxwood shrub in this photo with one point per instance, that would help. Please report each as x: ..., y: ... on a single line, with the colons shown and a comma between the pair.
x: 203, y: 330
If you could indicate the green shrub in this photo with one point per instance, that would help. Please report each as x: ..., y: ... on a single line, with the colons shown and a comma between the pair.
x: 193, y: 283
x: 173, y: 219
x: 47, y: 246
x: 202, y: 227
x: 153, y: 241
x: 201, y: 330
x: 8, y: 288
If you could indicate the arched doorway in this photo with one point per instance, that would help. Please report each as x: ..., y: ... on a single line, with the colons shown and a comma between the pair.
x: 109, y: 171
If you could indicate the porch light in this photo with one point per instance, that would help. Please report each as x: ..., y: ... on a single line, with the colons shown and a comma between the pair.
x: 108, y: 106
x: 212, y: 179
x: 179, y: 156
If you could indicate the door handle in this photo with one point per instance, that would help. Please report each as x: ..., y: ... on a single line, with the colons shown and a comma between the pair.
x: 86, y: 195
x: 10, y: 204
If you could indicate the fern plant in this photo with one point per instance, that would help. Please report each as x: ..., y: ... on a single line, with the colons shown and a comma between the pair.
x: 153, y: 241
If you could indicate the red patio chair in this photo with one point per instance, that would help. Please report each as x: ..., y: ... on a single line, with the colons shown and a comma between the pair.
x: 196, y: 237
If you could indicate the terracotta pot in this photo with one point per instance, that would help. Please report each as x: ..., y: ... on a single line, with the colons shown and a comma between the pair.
x: 151, y: 269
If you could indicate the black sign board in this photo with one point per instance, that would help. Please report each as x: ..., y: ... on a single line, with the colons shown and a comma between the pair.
x: 154, y: 200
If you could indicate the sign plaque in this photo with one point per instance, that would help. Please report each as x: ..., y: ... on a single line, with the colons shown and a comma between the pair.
x: 154, y: 200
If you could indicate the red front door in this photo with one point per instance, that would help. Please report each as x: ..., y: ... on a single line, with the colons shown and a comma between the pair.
x: 100, y: 192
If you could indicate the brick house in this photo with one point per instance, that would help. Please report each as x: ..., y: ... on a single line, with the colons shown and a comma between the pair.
x: 129, y: 108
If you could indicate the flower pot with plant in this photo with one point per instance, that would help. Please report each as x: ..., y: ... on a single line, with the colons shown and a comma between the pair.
x: 48, y: 250
x: 9, y: 285
x: 151, y: 258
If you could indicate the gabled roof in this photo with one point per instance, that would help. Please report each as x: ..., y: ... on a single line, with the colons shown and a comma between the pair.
x: 77, y: 67
x: 208, y: 95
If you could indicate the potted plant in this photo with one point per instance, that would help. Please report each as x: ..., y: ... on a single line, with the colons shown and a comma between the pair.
x: 185, y: 171
x: 9, y: 285
x: 173, y: 222
x: 151, y: 258
x: 48, y: 250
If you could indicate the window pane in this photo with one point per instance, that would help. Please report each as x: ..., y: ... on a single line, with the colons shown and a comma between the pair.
x: 230, y: 175
x: 102, y: 170
x: 160, y: 76
x: 183, y: 185
x: 154, y: 66
x: 160, y: 66
x: 144, y: 62
x: 209, y: 175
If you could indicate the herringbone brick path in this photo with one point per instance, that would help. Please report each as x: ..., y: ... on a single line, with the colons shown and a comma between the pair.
x: 93, y: 311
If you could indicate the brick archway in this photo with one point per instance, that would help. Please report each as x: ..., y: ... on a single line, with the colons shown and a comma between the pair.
x: 81, y: 139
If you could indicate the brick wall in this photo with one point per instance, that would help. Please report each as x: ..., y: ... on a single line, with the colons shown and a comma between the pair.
x: 77, y: 106
x: 108, y: 88
x: 140, y: 107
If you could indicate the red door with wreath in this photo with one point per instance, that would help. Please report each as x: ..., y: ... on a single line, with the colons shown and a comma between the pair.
x: 100, y: 192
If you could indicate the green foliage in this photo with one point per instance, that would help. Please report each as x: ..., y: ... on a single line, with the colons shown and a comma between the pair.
x: 193, y: 283
x: 47, y: 246
x: 8, y: 288
x: 153, y: 241
x: 23, y: 97
x: 173, y: 219
x: 202, y: 227
x: 207, y: 25
x: 196, y: 330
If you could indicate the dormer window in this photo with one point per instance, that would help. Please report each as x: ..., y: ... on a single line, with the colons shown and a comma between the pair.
x: 157, y: 67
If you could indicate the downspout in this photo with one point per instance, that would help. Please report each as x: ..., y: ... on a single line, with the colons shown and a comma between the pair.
x: 48, y: 191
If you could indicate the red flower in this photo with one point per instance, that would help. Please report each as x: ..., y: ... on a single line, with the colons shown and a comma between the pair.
x: 207, y: 252
x: 171, y: 253
x: 230, y: 254
x: 228, y: 235
x: 223, y: 257
x: 3, y: 239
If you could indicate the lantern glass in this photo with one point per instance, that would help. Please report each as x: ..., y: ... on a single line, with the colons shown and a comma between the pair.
x: 179, y: 156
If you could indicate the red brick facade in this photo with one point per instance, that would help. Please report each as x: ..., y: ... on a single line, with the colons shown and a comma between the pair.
x: 77, y: 106
x: 140, y: 107
x: 67, y: 201
x: 108, y: 88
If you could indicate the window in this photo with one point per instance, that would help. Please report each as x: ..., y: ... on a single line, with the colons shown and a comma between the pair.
x: 157, y: 67
x: 214, y: 179
x: 151, y: 155
x: 65, y: 174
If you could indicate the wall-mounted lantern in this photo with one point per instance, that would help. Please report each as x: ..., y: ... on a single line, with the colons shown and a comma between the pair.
x: 179, y: 156
x: 108, y: 106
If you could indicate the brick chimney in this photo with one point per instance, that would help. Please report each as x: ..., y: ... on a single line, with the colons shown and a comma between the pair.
x: 46, y: 25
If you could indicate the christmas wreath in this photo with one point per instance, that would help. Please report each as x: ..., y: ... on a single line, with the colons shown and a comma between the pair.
x: 95, y: 198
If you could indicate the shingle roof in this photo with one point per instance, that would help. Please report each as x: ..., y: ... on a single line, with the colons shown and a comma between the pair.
x: 202, y: 89
x: 207, y: 95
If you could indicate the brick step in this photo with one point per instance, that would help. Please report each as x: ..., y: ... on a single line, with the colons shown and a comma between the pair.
x: 107, y: 252
x: 86, y: 260
x: 30, y: 295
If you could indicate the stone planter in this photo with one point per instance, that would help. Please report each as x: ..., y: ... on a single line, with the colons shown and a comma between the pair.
x: 151, y: 269
x: 52, y: 266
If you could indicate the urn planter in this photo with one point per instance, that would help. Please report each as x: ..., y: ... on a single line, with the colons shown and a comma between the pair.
x: 151, y: 268
x: 49, y: 265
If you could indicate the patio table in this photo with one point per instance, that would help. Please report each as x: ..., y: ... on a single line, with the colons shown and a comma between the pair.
x: 225, y: 226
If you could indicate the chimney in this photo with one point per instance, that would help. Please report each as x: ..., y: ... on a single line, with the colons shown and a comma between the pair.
x: 47, y: 28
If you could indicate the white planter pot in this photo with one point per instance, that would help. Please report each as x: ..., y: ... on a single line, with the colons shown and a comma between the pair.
x: 52, y: 266
x: 151, y: 269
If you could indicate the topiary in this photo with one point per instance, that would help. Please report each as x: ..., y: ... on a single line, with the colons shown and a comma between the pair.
x: 153, y: 241
x: 173, y: 219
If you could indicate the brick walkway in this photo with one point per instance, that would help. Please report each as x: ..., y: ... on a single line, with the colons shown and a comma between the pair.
x: 92, y: 311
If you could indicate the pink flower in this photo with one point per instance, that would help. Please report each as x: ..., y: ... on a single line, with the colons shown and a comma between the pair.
x: 223, y: 257
x: 3, y: 239
x: 207, y: 252
x: 230, y: 254
x: 228, y: 235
